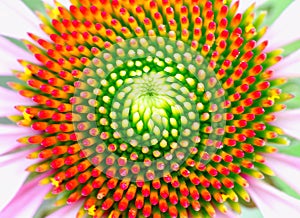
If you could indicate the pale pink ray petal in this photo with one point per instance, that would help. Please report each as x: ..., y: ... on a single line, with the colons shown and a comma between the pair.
x: 289, y: 122
x: 9, y: 99
x: 283, y: 31
x: 245, y: 4
x: 27, y: 200
x: 13, y: 174
x: 9, y: 134
x: 288, y: 67
x: 9, y: 54
x: 17, y: 19
x: 68, y: 211
x: 285, y: 167
x: 272, y: 202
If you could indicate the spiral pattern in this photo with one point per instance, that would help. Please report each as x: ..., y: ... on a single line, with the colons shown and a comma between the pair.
x: 151, y: 108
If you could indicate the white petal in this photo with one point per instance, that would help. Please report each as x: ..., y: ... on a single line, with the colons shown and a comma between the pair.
x: 9, y: 135
x: 285, y: 167
x: 27, y: 200
x: 284, y: 30
x: 288, y: 67
x: 13, y: 174
x: 65, y: 3
x: 16, y: 19
x: 245, y: 4
x: 289, y: 121
x: 272, y: 202
x: 9, y: 54
x: 9, y: 99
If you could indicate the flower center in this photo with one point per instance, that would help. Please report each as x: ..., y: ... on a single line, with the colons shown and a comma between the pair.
x: 149, y: 87
x: 151, y: 103
x: 147, y: 107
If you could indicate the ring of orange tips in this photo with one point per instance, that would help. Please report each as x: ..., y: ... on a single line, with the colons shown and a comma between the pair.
x: 65, y: 142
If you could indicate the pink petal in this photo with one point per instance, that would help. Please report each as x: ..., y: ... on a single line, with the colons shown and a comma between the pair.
x: 289, y: 122
x: 17, y: 19
x: 27, y: 200
x: 9, y: 54
x: 9, y: 135
x: 288, y: 67
x: 285, y: 167
x: 13, y: 174
x: 271, y: 201
x: 244, y: 5
x: 283, y: 30
x: 9, y: 99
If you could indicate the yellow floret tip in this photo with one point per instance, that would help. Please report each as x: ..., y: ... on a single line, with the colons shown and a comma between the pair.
x: 54, y: 182
x: 91, y: 210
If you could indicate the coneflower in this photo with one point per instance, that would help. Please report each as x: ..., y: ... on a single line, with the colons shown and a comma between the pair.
x: 148, y: 108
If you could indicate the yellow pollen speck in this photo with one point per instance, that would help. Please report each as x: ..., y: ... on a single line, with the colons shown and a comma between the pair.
x: 224, y: 1
x: 249, y: 27
x: 54, y: 182
x: 224, y: 196
x: 27, y: 116
x: 27, y: 71
x: 91, y: 210
x: 273, y: 97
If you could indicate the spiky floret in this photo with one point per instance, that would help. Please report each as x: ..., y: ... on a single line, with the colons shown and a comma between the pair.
x: 149, y: 108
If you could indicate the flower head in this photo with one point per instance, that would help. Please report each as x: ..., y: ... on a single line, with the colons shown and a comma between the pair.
x: 149, y: 108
